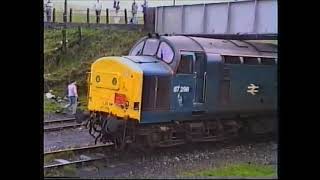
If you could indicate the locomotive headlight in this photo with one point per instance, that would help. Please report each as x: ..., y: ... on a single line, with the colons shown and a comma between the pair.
x: 136, y: 106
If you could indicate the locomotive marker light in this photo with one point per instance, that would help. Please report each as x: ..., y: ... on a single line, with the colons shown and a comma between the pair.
x: 114, y: 81
x: 253, y: 89
x: 97, y: 78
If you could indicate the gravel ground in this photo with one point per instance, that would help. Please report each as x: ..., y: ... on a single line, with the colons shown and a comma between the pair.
x: 53, y: 116
x: 170, y: 163
x: 78, y: 137
x: 67, y: 138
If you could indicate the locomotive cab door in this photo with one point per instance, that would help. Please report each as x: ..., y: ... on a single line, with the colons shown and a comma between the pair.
x: 189, y: 84
x: 200, y: 73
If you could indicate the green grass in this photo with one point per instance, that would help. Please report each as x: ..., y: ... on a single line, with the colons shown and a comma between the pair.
x: 236, y: 170
x: 66, y: 171
x: 61, y: 155
x: 50, y: 106
x: 69, y: 170
x: 83, y: 103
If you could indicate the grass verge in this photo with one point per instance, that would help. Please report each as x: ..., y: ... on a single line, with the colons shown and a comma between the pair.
x: 236, y: 170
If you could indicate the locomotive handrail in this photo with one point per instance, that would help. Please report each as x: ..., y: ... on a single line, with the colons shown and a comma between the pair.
x: 204, y: 86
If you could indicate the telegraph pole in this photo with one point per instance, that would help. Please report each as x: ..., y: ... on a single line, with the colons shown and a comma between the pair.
x: 64, y: 30
x: 174, y: 2
x: 65, y: 12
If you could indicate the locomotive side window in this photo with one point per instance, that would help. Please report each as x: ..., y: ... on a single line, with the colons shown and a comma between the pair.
x: 268, y: 61
x: 151, y: 47
x: 137, y: 50
x: 186, y: 65
x: 232, y: 60
x: 251, y: 60
x: 165, y: 53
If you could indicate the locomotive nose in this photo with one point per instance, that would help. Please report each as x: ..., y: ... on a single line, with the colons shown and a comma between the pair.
x: 115, y: 87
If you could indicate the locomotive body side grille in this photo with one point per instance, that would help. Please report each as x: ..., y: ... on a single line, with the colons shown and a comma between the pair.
x: 163, y: 100
x: 155, y: 93
x: 148, y: 93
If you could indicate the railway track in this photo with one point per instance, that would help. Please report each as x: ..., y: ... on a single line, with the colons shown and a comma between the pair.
x: 86, y: 155
x: 59, y: 124
x: 78, y: 156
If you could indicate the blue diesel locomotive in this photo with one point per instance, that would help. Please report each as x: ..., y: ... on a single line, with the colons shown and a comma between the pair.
x: 183, y: 89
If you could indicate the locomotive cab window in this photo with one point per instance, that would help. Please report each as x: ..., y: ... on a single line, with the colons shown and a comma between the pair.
x: 251, y: 60
x: 137, y: 49
x: 150, y: 47
x: 232, y: 60
x: 165, y: 53
x: 186, y: 64
x: 268, y: 61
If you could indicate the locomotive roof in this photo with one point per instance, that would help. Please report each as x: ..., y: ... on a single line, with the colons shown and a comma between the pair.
x: 221, y: 46
x: 151, y: 65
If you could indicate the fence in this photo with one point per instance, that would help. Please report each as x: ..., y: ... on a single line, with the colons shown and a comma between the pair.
x: 107, y: 16
x: 128, y: 27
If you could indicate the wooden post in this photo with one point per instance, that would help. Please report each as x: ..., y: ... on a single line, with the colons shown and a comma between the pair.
x: 125, y: 16
x: 54, y: 15
x: 88, y: 16
x: 70, y: 14
x: 107, y: 16
x: 64, y: 40
x: 65, y: 12
x: 80, y: 34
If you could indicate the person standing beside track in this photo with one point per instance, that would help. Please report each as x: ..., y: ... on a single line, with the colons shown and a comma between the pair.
x: 98, y: 8
x: 144, y: 9
x: 73, y: 96
x: 134, y: 10
x: 118, y: 7
x: 48, y: 9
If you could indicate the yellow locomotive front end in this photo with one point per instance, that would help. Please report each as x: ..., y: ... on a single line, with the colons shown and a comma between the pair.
x: 115, y: 87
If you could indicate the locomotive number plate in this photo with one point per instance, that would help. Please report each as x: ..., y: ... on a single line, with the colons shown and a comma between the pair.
x: 181, y: 89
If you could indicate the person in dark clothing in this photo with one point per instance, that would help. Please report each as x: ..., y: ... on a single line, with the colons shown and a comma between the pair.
x: 98, y: 8
x: 49, y: 7
x: 118, y: 7
x: 144, y: 9
x: 134, y: 11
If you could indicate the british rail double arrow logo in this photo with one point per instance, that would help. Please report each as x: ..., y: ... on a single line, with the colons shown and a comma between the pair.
x: 253, y: 89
